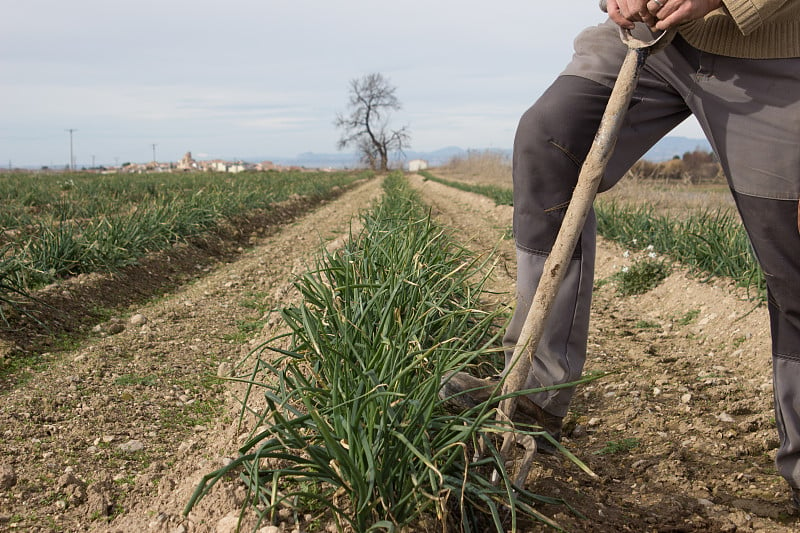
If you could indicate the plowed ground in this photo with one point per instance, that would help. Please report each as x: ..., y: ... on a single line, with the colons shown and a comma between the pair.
x: 112, y: 429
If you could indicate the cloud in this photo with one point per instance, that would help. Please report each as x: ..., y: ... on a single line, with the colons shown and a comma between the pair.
x: 253, y: 77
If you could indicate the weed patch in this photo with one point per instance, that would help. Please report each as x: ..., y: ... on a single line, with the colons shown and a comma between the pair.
x: 641, y: 277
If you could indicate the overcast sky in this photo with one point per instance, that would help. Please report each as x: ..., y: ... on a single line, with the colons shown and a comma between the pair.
x: 246, y: 78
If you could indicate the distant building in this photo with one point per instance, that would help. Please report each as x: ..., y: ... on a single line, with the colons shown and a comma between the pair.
x: 187, y: 163
x: 415, y: 165
x: 218, y: 165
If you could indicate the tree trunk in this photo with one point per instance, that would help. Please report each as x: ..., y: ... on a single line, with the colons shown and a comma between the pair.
x: 384, y: 153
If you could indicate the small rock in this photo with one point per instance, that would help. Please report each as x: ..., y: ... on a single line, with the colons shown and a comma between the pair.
x: 594, y: 422
x: 229, y: 523
x: 158, y: 521
x: 8, y: 477
x: 686, y: 398
x: 224, y: 370
x: 166, y: 486
x: 579, y: 431
x: 269, y: 529
x: 131, y: 446
x: 186, y: 446
x: 138, y: 320
x: 724, y: 417
x: 705, y: 503
x: 73, y: 488
x: 69, y: 479
x: 116, y: 327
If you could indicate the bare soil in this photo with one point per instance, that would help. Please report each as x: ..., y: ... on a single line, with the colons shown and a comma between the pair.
x: 122, y: 412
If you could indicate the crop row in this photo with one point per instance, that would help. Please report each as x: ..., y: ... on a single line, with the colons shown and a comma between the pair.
x: 500, y: 195
x: 354, y: 424
x: 30, y: 199
x: 712, y: 242
x: 58, y: 225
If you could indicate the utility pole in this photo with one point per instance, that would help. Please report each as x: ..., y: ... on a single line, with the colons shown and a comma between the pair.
x: 154, y: 152
x: 71, y: 157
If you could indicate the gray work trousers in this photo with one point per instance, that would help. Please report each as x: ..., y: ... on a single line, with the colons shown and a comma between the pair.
x: 750, y: 112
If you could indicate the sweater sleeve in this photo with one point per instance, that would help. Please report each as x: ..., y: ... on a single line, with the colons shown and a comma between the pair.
x: 750, y: 14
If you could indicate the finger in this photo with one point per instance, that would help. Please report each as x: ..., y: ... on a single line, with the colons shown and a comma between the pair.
x: 669, y: 17
x: 667, y: 10
x: 636, y: 11
x: 654, y: 6
x: 647, y: 18
x: 620, y: 19
x: 618, y: 11
x: 624, y: 8
x: 666, y: 24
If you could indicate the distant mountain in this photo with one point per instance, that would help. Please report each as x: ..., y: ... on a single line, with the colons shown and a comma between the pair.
x: 667, y: 148
x: 351, y: 160
x: 314, y: 160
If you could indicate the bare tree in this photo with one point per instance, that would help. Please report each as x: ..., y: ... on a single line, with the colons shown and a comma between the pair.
x: 366, y: 126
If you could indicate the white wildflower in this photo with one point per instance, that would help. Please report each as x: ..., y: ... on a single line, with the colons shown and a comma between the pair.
x: 650, y: 247
x: 635, y: 241
x: 652, y: 255
x: 626, y: 253
x: 624, y: 269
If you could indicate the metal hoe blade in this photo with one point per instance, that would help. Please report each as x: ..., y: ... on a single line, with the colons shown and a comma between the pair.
x: 556, y: 264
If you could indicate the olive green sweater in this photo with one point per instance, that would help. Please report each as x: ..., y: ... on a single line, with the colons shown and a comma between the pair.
x: 753, y: 29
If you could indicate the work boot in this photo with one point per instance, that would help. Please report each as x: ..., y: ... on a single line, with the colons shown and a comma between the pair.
x: 796, y: 499
x: 462, y: 391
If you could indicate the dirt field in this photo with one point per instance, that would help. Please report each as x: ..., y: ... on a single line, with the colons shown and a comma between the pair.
x: 113, y: 433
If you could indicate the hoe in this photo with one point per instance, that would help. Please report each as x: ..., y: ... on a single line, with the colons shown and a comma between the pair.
x: 556, y: 264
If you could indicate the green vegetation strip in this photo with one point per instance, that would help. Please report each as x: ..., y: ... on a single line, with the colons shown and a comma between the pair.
x: 354, y: 430
x: 500, y: 195
x: 711, y: 242
x: 57, y: 225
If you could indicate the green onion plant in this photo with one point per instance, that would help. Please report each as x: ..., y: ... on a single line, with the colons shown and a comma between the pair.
x: 353, y: 423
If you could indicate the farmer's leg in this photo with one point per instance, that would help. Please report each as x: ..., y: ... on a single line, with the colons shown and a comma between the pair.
x: 751, y: 112
x: 772, y: 227
x: 553, y: 139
